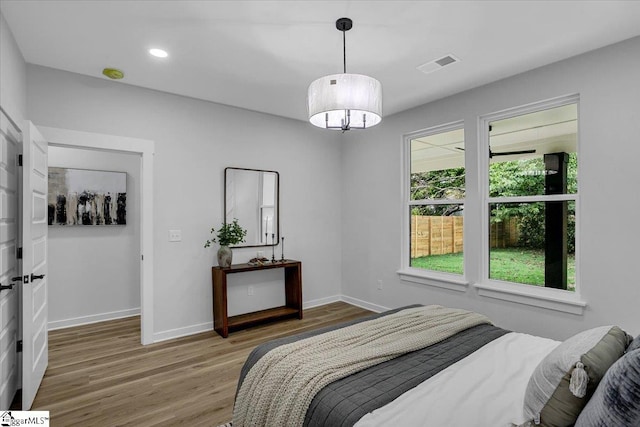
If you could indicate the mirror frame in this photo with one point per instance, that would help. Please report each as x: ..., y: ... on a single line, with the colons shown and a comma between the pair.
x: 277, y: 205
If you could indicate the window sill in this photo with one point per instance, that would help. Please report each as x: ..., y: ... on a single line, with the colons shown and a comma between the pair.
x: 552, y: 299
x: 433, y: 278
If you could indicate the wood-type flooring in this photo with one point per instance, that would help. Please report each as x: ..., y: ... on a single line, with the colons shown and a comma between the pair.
x: 100, y: 374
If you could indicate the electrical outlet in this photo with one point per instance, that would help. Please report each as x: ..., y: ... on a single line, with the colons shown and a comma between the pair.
x: 251, y: 291
x: 379, y: 283
x: 175, y: 235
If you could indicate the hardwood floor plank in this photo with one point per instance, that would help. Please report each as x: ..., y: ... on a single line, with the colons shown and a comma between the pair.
x: 100, y: 374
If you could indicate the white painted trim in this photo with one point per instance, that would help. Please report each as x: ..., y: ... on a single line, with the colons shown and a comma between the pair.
x: 94, y: 318
x: 208, y: 326
x: 405, y: 168
x: 533, y: 199
x: 434, y: 202
x: 320, y: 301
x: 552, y: 299
x: 146, y: 246
x: 438, y: 279
x: 363, y: 304
x: 536, y: 296
x: 8, y: 126
x: 560, y: 300
x: 529, y: 108
x: 146, y: 148
x: 182, y: 332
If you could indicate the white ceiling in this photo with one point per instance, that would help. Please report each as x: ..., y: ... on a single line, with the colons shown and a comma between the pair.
x: 262, y: 55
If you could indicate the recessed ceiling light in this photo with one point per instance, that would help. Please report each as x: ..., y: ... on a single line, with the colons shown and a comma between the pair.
x: 158, y: 53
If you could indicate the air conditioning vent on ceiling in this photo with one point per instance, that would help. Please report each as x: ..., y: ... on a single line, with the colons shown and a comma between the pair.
x: 437, y: 64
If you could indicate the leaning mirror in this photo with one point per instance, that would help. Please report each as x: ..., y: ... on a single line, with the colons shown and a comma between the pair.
x: 251, y: 196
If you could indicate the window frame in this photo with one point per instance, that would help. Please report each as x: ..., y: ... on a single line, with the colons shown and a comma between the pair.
x: 476, y: 224
x: 555, y: 299
x: 440, y: 279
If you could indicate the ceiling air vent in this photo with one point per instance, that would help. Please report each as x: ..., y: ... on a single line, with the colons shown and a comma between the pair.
x: 437, y: 64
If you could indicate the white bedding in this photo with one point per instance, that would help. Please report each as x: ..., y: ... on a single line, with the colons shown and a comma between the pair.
x: 484, y: 389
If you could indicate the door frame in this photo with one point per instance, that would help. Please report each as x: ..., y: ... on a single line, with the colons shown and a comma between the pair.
x: 146, y: 148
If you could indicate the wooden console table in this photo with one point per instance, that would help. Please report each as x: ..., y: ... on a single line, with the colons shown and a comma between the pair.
x: 224, y: 324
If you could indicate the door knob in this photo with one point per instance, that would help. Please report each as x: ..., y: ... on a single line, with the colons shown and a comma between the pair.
x: 36, y: 276
x: 2, y: 287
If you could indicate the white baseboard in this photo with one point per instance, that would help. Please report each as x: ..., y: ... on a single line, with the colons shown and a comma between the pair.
x: 181, y: 332
x: 208, y: 326
x: 94, y: 318
x: 321, y: 301
x: 363, y: 304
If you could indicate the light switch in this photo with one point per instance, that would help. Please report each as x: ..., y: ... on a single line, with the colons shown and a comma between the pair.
x: 175, y: 235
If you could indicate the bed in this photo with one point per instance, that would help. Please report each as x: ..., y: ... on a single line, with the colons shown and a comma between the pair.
x: 432, y: 366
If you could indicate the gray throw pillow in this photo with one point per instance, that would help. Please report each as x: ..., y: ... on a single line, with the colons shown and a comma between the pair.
x: 635, y: 344
x: 616, y: 401
x: 563, y: 382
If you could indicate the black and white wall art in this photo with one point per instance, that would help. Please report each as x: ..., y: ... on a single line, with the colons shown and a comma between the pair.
x: 87, y: 197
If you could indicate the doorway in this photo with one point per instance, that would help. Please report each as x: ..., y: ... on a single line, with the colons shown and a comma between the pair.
x: 94, y: 270
x: 63, y: 138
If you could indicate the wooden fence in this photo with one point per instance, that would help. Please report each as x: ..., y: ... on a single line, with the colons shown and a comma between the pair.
x: 438, y: 235
x: 504, y: 234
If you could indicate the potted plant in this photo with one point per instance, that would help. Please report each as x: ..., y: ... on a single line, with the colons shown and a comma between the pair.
x: 227, y: 235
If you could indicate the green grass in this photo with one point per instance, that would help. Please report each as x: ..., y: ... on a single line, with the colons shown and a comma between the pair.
x: 450, y: 263
x: 509, y: 264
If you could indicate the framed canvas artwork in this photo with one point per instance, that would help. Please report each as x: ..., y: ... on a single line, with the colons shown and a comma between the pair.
x: 87, y: 197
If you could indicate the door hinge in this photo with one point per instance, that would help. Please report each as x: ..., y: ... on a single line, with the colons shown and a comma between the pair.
x: 19, y: 253
x: 142, y: 257
x: 19, y: 346
x: 19, y: 159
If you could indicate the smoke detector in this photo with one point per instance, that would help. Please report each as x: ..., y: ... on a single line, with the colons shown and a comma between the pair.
x: 113, y: 73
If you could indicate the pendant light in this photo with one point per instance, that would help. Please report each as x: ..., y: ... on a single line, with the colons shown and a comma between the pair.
x: 345, y: 101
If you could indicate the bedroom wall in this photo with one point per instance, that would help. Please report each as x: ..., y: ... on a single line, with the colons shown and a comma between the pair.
x: 609, y: 121
x: 194, y: 142
x: 13, y: 81
x: 94, y: 272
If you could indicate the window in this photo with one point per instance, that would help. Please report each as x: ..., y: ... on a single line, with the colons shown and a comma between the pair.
x: 519, y: 195
x: 435, y: 202
x: 531, y: 195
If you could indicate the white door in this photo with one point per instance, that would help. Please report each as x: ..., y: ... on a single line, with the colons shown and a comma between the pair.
x: 9, y: 144
x: 35, y: 345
